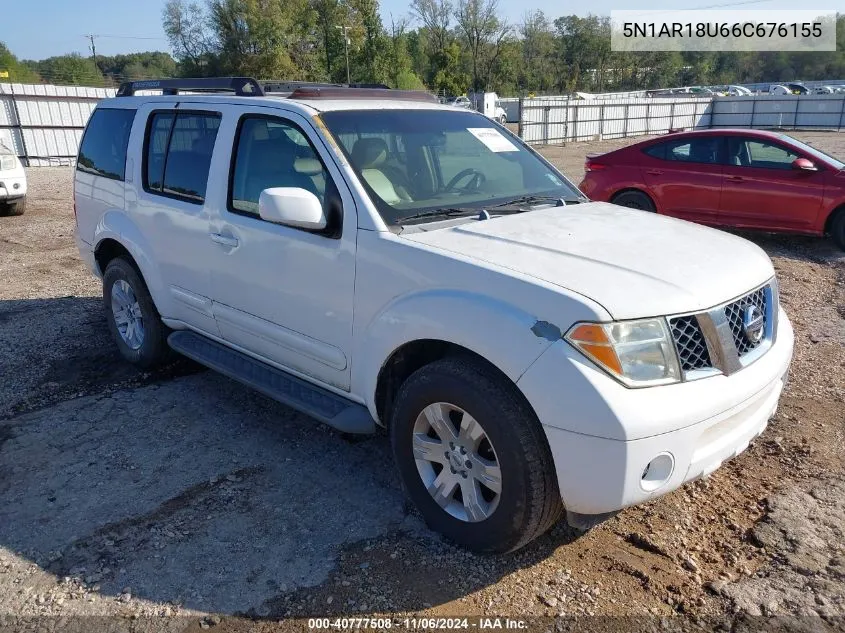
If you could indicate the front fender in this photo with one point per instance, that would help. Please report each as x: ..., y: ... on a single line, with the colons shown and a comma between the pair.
x: 118, y: 226
x: 508, y: 337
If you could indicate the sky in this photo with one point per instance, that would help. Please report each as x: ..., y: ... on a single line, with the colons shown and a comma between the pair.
x: 35, y: 29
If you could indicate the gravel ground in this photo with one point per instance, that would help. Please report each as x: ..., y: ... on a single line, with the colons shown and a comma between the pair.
x: 180, y: 492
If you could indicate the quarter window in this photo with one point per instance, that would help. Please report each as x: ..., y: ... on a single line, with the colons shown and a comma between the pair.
x: 656, y: 151
x: 178, y: 155
x: 103, y: 150
x: 273, y: 153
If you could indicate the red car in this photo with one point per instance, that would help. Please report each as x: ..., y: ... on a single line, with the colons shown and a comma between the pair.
x: 741, y: 178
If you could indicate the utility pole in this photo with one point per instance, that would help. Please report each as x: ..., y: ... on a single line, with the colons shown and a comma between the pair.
x: 93, y: 47
x: 345, y: 48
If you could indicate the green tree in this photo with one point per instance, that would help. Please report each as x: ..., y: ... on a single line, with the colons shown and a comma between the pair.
x: 18, y: 71
x: 186, y: 25
x: 483, y: 33
x: 70, y: 69
x: 536, y: 73
x: 450, y: 78
x: 149, y: 65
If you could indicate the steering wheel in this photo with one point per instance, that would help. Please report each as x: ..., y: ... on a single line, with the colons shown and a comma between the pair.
x: 477, y: 179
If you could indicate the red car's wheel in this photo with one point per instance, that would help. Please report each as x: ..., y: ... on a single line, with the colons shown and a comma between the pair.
x: 837, y: 229
x: 634, y: 200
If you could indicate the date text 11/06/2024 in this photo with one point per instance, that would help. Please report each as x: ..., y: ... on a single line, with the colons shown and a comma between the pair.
x: 363, y: 623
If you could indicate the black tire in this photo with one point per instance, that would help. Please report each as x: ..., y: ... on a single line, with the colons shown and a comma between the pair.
x: 634, y: 200
x: 837, y: 229
x: 530, y: 501
x: 153, y: 350
x: 16, y: 207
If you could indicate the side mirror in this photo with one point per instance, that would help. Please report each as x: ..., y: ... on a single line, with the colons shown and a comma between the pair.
x: 804, y: 164
x: 292, y: 206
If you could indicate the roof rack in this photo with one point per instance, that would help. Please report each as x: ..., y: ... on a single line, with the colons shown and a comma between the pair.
x: 249, y: 87
x: 241, y: 86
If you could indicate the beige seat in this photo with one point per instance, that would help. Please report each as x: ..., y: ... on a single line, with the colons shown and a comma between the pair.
x: 369, y: 156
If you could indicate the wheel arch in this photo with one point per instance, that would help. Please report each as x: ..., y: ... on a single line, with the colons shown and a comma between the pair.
x: 634, y: 189
x: 831, y: 217
x: 416, y: 354
x: 117, y: 236
x: 108, y: 249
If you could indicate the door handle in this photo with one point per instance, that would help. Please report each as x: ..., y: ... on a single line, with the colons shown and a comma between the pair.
x: 654, y: 172
x: 226, y: 240
x: 736, y: 178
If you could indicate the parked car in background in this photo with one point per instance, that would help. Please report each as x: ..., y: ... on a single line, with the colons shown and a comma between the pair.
x: 740, y: 178
x: 824, y: 90
x: 459, y: 102
x: 777, y: 89
x: 737, y: 91
x: 12, y: 183
x: 798, y: 89
x: 376, y: 258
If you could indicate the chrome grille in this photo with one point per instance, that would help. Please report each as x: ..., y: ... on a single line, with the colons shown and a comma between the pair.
x: 714, y: 341
x: 734, y: 314
x: 689, y: 341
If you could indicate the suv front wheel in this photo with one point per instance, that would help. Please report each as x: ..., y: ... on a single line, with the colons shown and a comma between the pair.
x: 473, y: 456
x: 132, y: 317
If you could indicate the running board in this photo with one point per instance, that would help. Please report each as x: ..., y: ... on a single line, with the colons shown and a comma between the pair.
x: 337, y: 412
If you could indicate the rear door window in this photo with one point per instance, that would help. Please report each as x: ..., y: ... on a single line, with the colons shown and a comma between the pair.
x: 694, y: 150
x: 103, y: 148
x: 690, y: 150
x: 178, y: 153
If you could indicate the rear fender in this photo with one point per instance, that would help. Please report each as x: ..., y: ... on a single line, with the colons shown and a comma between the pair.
x: 118, y: 226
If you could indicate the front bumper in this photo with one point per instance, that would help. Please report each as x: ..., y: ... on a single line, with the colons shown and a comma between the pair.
x: 12, y: 188
x: 604, y: 437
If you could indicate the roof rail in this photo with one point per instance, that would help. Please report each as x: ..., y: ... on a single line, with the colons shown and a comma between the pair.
x: 320, y: 92
x: 241, y: 86
x: 290, y: 86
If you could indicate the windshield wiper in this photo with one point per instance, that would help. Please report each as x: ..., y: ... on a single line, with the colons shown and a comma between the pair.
x: 525, y: 200
x: 445, y: 213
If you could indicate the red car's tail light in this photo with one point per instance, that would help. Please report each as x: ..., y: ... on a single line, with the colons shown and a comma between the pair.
x: 592, y: 165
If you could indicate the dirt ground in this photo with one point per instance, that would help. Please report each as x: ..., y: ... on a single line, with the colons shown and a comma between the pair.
x: 179, y: 492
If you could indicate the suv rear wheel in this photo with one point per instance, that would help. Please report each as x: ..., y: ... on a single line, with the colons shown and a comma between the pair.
x: 132, y: 317
x: 473, y: 456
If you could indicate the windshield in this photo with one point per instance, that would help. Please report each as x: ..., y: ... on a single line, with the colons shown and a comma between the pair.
x: 415, y: 161
x: 838, y: 164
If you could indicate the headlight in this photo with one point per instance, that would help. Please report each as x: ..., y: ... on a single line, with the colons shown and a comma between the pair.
x: 7, y: 162
x: 636, y: 353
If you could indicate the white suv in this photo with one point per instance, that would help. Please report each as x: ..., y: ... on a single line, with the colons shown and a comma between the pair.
x: 371, y: 257
x: 12, y: 183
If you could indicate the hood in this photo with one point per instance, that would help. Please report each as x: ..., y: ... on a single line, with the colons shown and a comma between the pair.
x: 635, y: 264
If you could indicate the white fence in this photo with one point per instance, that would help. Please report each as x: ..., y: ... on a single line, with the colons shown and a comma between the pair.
x: 789, y: 112
x: 550, y: 121
x: 553, y: 121
x: 43, y: 124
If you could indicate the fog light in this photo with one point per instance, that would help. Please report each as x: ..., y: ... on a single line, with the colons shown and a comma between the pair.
x: 17, y: 185
x: 657, y: 472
